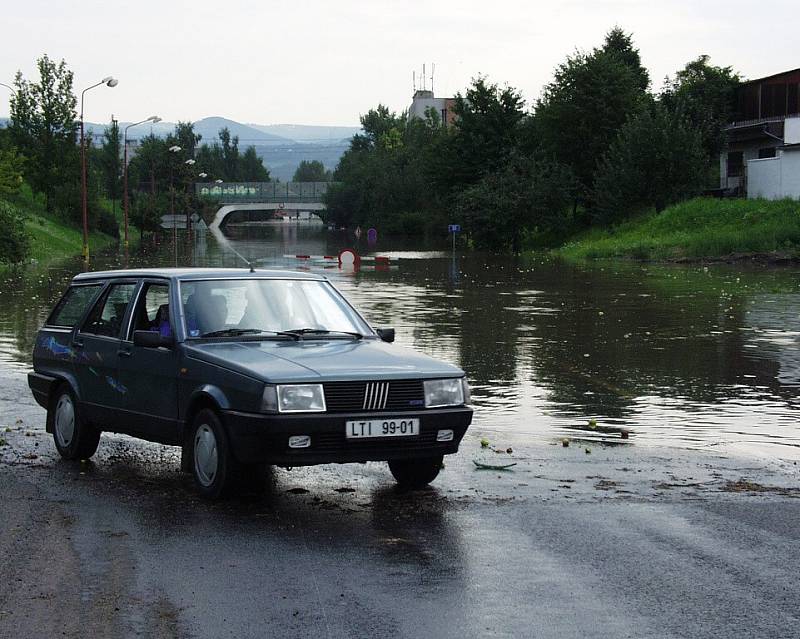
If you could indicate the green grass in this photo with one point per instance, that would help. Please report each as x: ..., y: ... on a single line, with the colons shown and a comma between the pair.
x: 702, y: 228
x: 51, y: 239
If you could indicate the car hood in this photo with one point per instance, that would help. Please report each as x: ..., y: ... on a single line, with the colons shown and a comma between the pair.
x: 321, y: 360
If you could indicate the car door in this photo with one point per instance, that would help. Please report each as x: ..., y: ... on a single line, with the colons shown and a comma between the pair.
x: 96, y: 346
x: 150, y: 374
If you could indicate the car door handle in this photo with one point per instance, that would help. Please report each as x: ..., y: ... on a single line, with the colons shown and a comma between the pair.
x: 124, y: 353
x: 77, y: 344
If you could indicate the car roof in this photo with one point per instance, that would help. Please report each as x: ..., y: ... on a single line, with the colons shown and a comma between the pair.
x: 196, y: 273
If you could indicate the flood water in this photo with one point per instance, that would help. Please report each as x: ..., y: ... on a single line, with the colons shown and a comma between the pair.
x: 679, y: 354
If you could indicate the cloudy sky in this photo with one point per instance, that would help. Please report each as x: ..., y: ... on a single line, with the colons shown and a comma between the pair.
x: 323, y: 62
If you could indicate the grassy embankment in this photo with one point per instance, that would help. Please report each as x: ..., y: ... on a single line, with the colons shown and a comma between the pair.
x: 50, y: 237
x: 702, y: 228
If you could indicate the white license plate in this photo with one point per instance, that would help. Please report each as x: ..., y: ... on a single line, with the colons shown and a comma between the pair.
x: 387, y: 427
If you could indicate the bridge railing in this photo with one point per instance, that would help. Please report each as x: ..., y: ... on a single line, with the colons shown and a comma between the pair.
x: 234, y: 192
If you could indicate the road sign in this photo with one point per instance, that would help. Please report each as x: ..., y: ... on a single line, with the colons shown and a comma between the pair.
x: 454, y: 228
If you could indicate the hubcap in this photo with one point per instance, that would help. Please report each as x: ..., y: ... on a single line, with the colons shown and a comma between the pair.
x: 65, y: 421
x: 205, y: 455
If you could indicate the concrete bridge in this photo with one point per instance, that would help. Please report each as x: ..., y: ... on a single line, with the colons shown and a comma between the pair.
x: 284, y: 199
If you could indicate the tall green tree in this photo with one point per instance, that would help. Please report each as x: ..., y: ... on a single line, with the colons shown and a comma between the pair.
x: 590, y: 98
x: 656, y: 160
x: 43, y: 127
x: 486, y: 130
x: 703, y: 93
x: 251, y: 167
x: 311, y: 171
x: 111, y: 161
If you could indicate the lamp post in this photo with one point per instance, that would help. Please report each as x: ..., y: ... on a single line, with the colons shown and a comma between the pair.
x: 174, y: 149
x: 10, y: 88
x: 109, y: 82
x: 190, y: 163
x: 152, y: 118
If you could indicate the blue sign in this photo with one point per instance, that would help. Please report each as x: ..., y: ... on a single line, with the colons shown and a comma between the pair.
x: 454, y: 228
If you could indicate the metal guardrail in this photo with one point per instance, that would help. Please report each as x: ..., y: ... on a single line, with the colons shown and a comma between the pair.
x: 273, y: 192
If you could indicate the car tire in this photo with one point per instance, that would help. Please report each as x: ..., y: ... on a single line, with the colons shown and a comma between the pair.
x: 213, y: 467
x: 413, y: 474
x: 73, y: 436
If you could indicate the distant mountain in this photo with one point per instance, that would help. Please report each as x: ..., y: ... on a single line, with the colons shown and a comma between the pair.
x: 312, y: 134
x: 209, y: 128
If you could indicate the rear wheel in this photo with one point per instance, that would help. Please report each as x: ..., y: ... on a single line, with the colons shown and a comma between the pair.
x: 413, y: 474
x: 73, y: 437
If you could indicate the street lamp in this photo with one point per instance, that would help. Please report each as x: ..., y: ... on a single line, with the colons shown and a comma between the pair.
x: 202, y: 176
x: 190, y: 162
x: 152, y: 118
x: 173, y: 149
x: 217, y: 181
x: 10, y: 88
x: 109, y: 82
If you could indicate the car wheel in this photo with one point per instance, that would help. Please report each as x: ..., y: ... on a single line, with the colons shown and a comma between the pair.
x: 213, y: 466
x: 74, y: 438
x: 413, y: 474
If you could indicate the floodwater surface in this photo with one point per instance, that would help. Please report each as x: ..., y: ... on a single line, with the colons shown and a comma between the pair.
x: 682, y: 355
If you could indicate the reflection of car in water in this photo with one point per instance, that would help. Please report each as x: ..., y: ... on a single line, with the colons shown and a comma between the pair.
x: 241, y: 369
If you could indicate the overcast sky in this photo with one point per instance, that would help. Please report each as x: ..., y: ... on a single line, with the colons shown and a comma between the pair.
x: 326, y: 62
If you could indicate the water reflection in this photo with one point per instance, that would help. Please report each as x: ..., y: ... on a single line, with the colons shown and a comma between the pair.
x: 695, y: 355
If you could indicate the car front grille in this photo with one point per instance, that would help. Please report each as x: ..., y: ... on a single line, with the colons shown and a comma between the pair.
x: 394, y: 395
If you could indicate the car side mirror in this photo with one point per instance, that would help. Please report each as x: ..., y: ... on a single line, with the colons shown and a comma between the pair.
x: 151, y: 339
x: 386, y: 334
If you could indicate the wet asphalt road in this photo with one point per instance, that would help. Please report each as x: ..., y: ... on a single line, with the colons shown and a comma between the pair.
x: 621, y: 542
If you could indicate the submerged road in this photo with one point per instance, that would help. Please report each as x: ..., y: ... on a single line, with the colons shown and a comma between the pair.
x: 622, y: 541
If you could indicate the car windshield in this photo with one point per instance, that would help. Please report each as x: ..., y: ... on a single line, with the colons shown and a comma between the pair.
x: 253, y: 306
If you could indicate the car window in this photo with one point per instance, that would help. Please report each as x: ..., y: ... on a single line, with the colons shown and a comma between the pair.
x: 107, y: 315
x: 152, y: 310
x: 267, y: 305
x: 73, y: 305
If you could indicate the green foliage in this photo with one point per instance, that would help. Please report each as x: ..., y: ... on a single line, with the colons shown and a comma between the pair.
x: 14, y: 240
x: 11, y: 167
x: 222, y: 160
x: 656, y: 160
x: 703, y: 93
x: 43, y: 129
x: 698, y: 228
x: 590, y: 98
x: 486, y: 129
x: 527, y: 194
x: 381, y: 177
x: 311, y: 171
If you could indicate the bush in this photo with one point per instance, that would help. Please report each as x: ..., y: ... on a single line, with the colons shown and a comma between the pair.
x: 15, y: 242
x: 107, y: 223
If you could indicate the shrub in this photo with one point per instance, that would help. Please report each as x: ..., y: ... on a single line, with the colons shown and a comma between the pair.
x: 14, y: 240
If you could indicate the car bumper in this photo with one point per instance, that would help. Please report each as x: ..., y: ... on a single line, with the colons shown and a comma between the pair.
x: 41, y: 386
x: 265, y: 438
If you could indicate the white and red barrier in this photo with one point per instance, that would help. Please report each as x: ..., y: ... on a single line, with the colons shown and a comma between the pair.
x: 348, y: 258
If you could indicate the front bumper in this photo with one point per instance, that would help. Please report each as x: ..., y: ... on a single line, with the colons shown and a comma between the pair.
x: 265, y: 438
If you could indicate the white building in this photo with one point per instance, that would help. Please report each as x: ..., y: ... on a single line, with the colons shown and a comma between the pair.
x: 778, y: 177
x: 424, y: 100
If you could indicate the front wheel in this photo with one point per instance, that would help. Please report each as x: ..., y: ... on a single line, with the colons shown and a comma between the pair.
x: 413, y: 474
x: 73, y: 437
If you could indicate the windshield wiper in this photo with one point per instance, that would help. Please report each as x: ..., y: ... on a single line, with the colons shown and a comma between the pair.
x: 320, y: 331
x: 236, y: 332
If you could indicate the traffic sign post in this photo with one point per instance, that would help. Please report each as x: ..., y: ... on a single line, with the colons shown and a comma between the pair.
x: 453, y: 229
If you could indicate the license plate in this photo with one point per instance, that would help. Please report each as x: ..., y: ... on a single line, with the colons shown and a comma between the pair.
x: 389, y: 427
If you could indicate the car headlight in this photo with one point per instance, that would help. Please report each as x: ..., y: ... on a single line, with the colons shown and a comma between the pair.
x: 300, y: 398
x: 443, y: 392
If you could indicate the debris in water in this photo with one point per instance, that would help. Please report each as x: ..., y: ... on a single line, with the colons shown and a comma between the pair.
x: 624, y: 433
x: 592, y: 424
x: 484, y: 443
x: 483, y: 466
x: 297, y: 491
x: 565, y: 442
x: 588, y: 451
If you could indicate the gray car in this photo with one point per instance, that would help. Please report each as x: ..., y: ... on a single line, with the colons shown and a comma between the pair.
x: 241, y: 369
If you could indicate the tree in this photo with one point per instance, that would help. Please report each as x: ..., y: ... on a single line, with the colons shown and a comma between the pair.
x: 703, y: 93
x: 43, y: 128
x: 251, y: 167
x: 14, y: 240
x: 528, y: 194
x: 583, y: 108
x: 620, y: 44
x: 486, y: 130
x: 110, y: 162
x: 311, y: 171
x: 656, y: 160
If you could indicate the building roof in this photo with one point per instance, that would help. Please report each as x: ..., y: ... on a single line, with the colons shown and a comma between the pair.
x: 770, y: 77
